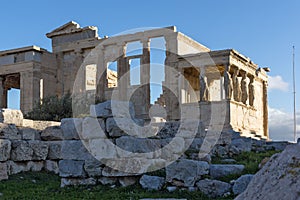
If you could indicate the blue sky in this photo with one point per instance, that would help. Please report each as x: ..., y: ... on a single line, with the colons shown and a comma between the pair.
x: 265, y: 31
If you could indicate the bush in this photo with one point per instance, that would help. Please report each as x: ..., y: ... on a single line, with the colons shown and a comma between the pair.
x: 52, y: 108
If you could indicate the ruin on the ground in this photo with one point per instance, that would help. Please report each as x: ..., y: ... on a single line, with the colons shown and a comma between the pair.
x: 214, y: 77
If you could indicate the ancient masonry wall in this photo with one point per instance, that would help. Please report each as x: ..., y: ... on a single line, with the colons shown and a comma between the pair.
x: 60, y: 150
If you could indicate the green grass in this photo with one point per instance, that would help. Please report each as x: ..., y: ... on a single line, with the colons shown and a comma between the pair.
x: 251, y: 160
x: 42, y: 185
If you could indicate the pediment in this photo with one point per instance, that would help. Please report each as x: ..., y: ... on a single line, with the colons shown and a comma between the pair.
x: 65, y: 29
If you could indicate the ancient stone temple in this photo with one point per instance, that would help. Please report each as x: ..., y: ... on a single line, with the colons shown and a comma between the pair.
x: 192, y: 75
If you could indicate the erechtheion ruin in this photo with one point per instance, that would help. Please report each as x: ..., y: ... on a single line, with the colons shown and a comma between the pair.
x: 216, y: 77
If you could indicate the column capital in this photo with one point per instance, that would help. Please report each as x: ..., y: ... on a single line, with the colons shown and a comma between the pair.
x: 236, y: 70
x: 227, y: 67
x: 145, y: 40
x: 243, y: 73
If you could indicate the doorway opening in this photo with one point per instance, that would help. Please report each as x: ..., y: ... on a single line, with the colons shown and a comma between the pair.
x: 13, y: 99
x: 11, y: 91
x: 157, y: 69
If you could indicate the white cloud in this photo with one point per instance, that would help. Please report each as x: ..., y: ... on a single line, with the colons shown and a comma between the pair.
x: 277, y: 83
x: 281, y: 125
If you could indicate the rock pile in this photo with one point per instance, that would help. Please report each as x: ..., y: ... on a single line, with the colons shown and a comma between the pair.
x: 71, y: 150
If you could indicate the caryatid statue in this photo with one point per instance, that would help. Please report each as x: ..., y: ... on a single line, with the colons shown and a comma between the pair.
x: 228, y: 85
x: 236, y: 86
x: 204, y: 91
x: 244, y: 87
x: 251, y: 92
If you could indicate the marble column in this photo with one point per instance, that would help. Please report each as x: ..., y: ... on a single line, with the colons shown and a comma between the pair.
x: 145, y: 74
x: 171, y: 91
x: 30, y: 90
x: 123, y: 68
x: 265, y: 108
x: 101, y: 77
x: 79, y: 58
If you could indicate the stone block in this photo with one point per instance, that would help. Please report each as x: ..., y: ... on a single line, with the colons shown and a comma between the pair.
x: 167, y: 129
x: 9, y: 131
x: 16, y: 167
x: 5, y: 148
x: 29, y: 133
x: 51, y: 166
x: 127, y: 181
x: 117, y: 127
x: 93, y: 128
x: 42, y: 125
x: 196, y: 144
x: 52, y: 133
x: 35, y: 166
x: 40, y: 149
x: 113, y: 129
x: 188, y: 128
x: 241, y: 183
x: 93, y: 167
x: 21, y: 151
x: 213, y: 188
x: 225, y: 138
x: 3, y: 171
x: 278, y: 146
x: 54, y: 150
x: 176, y: 145
x: 242, y: 144
x: 152, y: 182
x: 74, y: 150
x: 221, y: 170
x: 113, y: 108
x: 221, y: 151
x: 71, y: 128
x: 77, y: 181
x: 28, y: 123
x: 102, y: 149
x: 109, y: 172
x: 186, y: 171
x: 11, y: 117
x: 138, y: 145
x: 108, y: 180
x: 71, y: 168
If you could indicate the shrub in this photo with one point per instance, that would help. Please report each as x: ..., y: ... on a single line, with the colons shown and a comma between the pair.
x: 52, y: 108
